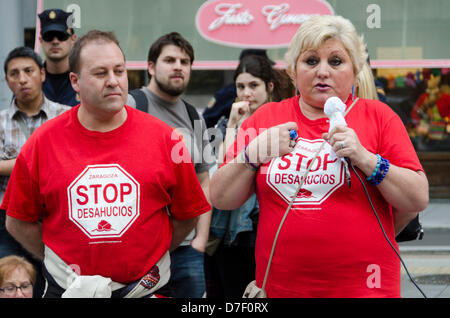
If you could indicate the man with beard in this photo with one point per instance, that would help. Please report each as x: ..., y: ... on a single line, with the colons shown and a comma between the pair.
x: 170, y: 60
x: 57, y: 38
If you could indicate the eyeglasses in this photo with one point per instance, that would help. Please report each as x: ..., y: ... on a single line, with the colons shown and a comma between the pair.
x: 49, y: 36
x: 26, y: 288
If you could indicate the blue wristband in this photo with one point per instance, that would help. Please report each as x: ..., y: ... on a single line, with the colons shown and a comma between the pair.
x: 384, y: 167
x: 380, y: 171
x: 369, y: 178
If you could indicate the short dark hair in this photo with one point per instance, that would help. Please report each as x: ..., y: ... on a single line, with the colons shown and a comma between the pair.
x: 257, y: 66
x: 93, y: 35
x: 23, y: 51
x: 173, y: 38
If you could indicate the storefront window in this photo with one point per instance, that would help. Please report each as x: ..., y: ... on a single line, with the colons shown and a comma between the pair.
x: 421, y: 97
x: 399, y: 34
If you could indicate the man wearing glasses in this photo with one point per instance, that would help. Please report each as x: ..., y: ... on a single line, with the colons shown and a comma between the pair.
x: 57, y: 38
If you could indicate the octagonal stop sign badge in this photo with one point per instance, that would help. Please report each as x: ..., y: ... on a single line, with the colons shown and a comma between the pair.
x: 103, y: 201
x: 325, y: 176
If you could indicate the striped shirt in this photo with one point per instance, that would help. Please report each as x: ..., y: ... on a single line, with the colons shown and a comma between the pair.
x: 16, y: 126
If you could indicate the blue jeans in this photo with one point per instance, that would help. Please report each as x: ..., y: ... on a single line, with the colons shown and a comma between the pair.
x: 187, y: 279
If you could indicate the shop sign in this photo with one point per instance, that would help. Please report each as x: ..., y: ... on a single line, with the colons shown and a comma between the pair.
x: 256, y: 23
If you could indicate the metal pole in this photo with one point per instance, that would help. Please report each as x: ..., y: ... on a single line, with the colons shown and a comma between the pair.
x: 11, y: 36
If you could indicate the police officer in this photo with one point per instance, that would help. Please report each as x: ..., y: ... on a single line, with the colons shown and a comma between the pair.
x: 57, y: 38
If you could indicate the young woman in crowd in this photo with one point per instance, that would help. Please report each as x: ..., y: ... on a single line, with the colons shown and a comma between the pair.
x: 230, y: 259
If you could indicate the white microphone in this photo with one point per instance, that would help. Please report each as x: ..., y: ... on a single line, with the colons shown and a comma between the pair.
x: 335, y: 109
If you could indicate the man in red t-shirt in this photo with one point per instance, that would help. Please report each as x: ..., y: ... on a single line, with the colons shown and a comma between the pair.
x: 107, y: 183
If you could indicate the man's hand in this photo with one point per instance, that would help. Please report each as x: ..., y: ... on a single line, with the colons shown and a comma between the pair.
x: 28, y: 234
x: 181, y: 229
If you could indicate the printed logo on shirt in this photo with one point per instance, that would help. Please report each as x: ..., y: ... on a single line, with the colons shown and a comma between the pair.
x: 103, y: 201
x: 326, y: 175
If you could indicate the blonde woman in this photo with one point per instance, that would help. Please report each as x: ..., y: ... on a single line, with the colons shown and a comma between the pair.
x: 331, y: 244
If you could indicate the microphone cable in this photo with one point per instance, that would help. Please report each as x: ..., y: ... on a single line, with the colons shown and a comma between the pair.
x: 382, y: 229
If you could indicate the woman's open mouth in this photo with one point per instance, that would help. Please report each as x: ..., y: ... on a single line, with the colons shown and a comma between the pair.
x: 322, y: 87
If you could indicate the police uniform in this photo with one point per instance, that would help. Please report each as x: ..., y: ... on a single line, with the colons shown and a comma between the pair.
x: 57, y: 87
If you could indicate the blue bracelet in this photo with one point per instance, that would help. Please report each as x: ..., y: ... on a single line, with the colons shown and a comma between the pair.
x: 380, y: 171
x: 376, y: 169
x: 384, y: 167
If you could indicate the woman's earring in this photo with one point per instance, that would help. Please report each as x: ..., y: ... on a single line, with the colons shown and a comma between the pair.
x: 353, y: 92
x: 296, y: 90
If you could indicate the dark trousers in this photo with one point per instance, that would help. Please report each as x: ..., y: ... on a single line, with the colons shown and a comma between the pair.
x: 229, y: 270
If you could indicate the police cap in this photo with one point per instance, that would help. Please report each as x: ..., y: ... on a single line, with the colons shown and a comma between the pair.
x: 55, y: 20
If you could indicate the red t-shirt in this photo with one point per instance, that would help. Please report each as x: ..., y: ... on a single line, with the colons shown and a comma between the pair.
x: 331, y: 244
x: 104, y: 198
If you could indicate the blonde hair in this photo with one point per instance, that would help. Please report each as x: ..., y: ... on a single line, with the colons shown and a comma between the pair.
x: 318, y: 29
x: 9, y: 263
x: 365, y: 83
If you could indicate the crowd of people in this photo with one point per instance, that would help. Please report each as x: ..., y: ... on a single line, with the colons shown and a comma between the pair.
x: 108, y: 192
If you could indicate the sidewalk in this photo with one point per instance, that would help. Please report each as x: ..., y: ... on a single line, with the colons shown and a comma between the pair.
x: 428, y: 261
x: 437, y: 215
x: 435, y: 220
